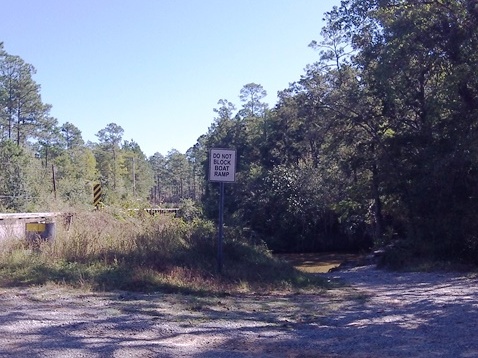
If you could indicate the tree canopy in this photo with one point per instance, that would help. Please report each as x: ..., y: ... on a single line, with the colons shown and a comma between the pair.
x: 375, y: 143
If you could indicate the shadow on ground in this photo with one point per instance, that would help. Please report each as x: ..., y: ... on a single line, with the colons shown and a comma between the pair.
x: 382, y: 314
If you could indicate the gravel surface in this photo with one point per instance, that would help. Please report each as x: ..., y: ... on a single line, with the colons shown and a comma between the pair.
x: 379, y: 314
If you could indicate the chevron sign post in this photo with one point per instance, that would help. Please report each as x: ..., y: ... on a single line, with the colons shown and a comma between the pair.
x: 97, y: 192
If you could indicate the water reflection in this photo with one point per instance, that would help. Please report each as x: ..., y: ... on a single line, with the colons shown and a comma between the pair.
x: 318, y: 262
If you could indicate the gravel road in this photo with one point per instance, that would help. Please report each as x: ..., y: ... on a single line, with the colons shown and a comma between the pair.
x: 379, y: 314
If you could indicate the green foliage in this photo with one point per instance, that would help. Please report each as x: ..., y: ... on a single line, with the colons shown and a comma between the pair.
x: 14, y: 188
x: 75, y: 173
x: 177, y: 176
x: 189, y: 211
x: 414, y: 63
x: 21, y: 107
x: 376, y: 142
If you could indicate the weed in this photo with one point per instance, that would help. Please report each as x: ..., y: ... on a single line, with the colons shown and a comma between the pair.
x: 120, y: 251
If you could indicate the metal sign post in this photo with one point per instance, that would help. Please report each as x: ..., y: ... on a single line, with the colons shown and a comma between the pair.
x: 220, y: 235
x: 222, y: 169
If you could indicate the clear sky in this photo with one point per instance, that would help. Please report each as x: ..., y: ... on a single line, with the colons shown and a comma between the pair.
x: 158, y: 67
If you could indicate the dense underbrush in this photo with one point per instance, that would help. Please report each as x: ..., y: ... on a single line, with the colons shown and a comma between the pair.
x: 114, y: 250
x: 408, y: 255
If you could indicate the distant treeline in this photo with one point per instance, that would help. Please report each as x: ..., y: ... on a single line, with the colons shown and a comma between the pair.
x: 376, y: 142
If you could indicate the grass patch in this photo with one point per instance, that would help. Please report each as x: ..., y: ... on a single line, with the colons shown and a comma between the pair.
x: 106, y: 251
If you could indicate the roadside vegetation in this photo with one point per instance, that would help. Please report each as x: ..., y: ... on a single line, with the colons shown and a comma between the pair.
x: 117, y: 250
x: 374, y: 146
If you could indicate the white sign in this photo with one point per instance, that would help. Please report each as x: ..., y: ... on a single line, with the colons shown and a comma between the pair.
x: 222, y: 165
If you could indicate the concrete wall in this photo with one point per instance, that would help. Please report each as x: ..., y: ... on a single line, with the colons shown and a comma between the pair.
x: 13, y: 225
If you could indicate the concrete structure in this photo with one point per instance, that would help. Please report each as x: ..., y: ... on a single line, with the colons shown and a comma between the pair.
x: 13, y: 225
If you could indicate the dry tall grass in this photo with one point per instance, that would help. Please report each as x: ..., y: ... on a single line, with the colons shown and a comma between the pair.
x: 116, y: 250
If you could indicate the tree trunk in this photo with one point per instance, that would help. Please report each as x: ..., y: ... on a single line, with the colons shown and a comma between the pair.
x: 377, y: 204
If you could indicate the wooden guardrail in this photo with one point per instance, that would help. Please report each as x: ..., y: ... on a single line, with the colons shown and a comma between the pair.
x: 154, y: 211
x: 161, y: 211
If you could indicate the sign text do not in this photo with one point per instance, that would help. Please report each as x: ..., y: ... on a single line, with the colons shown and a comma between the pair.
x: 222, y: 165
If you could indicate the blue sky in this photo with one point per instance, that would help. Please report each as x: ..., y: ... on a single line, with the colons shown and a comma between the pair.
x: 158, y: 67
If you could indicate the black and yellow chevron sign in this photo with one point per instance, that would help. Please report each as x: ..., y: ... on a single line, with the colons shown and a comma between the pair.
x: 96, y: 194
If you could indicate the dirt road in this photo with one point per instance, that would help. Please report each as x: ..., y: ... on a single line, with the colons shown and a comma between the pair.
x: 381, y: 314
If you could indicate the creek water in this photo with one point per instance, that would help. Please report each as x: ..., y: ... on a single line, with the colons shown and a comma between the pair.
x: 318, y: 262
